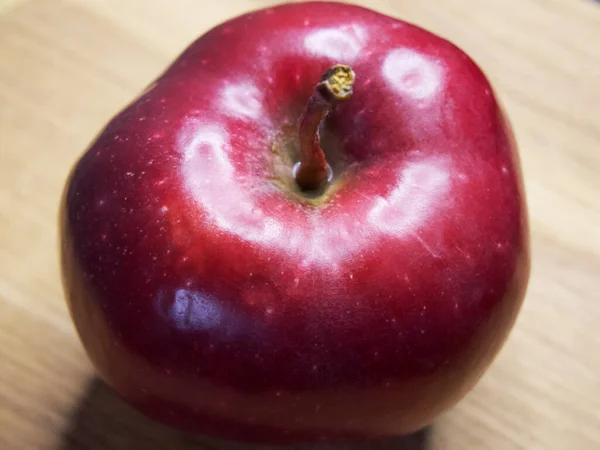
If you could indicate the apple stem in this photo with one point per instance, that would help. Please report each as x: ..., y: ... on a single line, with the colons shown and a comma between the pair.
x: 313, y: 172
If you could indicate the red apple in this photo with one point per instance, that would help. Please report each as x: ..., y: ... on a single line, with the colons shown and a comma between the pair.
x: 219, y: 287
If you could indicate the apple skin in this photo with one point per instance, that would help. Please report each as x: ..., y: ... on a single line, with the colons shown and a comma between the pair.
x: 213, y: 298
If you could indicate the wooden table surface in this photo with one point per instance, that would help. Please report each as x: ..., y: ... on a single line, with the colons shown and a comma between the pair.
x: 67, y: 65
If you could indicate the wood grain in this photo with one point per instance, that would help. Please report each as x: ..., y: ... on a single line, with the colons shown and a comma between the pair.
x: 67, y: 66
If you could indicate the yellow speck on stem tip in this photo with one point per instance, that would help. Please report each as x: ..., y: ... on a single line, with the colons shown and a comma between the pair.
x: 338, y: 81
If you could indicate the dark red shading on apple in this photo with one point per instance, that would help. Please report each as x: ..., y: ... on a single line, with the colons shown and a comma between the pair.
x: 214, y: 294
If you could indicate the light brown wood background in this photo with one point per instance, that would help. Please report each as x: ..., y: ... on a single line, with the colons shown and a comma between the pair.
x: 67, y: 66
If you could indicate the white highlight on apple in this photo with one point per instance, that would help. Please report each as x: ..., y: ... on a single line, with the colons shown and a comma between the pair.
x: 412, y: 74
x: 337, y: 43
x: 421, y: 186
x: 209, y: 176
x: 242, y: 100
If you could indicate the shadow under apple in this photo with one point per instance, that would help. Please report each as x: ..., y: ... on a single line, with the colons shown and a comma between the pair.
x: 103, y: 422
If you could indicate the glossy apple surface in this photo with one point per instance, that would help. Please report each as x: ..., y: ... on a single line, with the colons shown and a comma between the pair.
x: 213, y: 295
